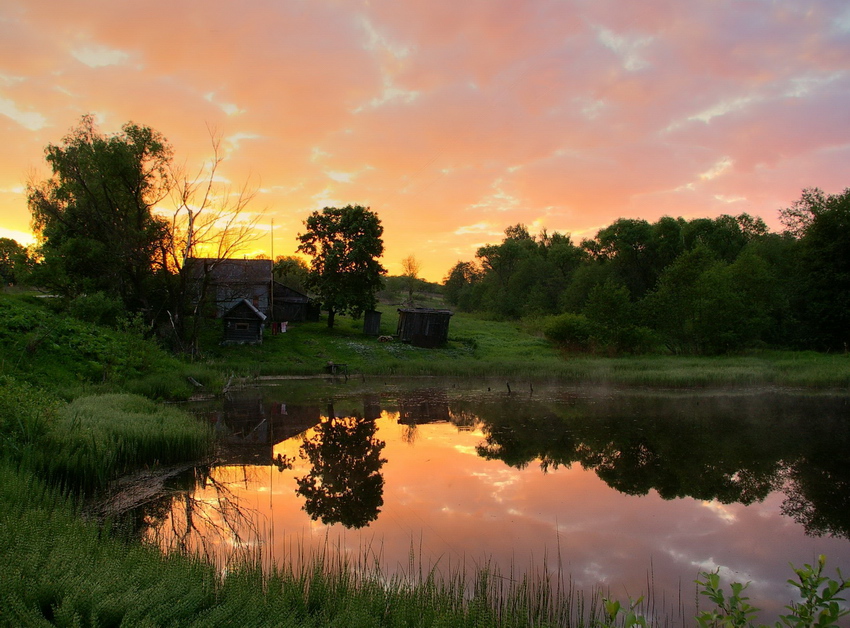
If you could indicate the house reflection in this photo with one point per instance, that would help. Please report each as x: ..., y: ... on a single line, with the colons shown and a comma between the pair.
x: 248, y: 428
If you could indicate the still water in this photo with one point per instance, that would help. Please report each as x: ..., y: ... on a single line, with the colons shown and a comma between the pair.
x: 631, y: 491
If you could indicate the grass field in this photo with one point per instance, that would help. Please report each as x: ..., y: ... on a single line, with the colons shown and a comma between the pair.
x: 483, y: 348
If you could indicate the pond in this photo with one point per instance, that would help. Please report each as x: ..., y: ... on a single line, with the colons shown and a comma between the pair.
x: 633, y: 491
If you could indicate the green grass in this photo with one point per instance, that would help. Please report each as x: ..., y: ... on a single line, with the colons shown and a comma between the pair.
x: 98, y: 438
x: 73, y: 357
x: 484, y: 348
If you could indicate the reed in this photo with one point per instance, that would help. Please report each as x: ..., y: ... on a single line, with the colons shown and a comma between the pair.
x: 60, y: 569
x: 95, y: 439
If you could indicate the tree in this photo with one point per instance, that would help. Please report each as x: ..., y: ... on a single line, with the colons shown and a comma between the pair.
x: 345, y: 244
x: 93, y: 216
x: 410, y: 268
x: 14, y: 260
x: 103, y: 226
x: 208, y: 221
x: 291, y: 271
x: 822, y: 224
x: 459, y: 283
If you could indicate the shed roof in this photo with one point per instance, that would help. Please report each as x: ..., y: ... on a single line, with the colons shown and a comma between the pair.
x: 242, y: 303
x: 424, y: 310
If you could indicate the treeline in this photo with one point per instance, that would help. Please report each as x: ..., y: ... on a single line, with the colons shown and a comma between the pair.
x: 700, y: 286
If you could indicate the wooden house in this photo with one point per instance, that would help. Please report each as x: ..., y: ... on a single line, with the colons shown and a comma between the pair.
x: 223, y: 283
x: 243, y: 324
x: 423, y: 327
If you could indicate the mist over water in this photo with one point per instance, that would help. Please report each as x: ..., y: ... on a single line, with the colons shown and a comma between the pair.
x: 634, y: 491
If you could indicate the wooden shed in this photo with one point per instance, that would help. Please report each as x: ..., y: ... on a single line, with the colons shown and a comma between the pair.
x: 244, y: 324
x: 423, y: 327
x: 293, y: 306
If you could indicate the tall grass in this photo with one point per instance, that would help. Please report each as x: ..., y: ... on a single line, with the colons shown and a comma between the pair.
x: 61, y: 570
x: 95, y: 439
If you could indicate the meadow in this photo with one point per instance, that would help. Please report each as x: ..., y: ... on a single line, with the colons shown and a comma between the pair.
x: 514, y: 352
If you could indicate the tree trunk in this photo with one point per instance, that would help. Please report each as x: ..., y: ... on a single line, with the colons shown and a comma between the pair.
x: 330, y: 318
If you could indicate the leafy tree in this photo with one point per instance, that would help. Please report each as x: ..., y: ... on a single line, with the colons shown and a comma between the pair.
x: 822, y: 224
x: 410, y: 267
x: 345, y: 244
x: 94, y: 215
x: 291, y: 271
x: 459, y: 284
x: 14, y: 261
x: 629, y: 246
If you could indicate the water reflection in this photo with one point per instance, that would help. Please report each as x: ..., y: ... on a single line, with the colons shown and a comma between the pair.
x: 616, y: 482
x: 344, y: 484
x: 700, y: 448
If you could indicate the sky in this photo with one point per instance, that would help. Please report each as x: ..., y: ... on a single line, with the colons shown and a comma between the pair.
x: 451, y: 120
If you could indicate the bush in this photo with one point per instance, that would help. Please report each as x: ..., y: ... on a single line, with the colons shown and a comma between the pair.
x: 569, y: 329
x: 98, y: 308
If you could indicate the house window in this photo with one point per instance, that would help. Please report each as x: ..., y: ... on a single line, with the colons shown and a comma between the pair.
x: 241, y: 326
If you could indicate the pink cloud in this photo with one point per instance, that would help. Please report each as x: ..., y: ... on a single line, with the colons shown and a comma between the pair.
x: 444, y: 115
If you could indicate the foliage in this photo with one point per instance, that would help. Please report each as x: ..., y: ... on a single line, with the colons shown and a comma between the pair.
x: 96, y: 439
x: 14, y: 262
x: 818, y: 608
x: 292, y: 272
x: 822, y: 297
x: 98, y: 308
x: 734, y: 611
x: 345, y: 245
x: 700, y: 287
x: 94, y: 214
x: 572, y: 330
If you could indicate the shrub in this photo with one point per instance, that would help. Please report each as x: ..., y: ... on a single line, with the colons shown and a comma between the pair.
x: 570, y: 329
x: 98, y: 308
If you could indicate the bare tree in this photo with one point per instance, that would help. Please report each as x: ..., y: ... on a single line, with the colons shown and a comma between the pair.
x: 410, y: 267
x: 209, y: 220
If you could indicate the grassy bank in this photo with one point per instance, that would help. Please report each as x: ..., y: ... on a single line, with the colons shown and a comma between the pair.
x: 478, y: 348
x: 74, y: 358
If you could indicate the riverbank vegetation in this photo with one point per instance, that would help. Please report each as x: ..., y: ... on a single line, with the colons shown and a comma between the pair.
x: 513, y: 352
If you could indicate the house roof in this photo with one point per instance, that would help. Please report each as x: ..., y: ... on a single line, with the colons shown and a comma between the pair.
x: 231, y: 271
x: 285, y: 293
x: 242, y: 303
x: 424, y: 310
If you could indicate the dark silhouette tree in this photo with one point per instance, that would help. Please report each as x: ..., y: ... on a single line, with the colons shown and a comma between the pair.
x: 94, y: 216
x: 345, y: 244
x: 822, y: 224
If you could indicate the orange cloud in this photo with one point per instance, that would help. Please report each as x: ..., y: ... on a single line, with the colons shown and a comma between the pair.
x: 442, y: 116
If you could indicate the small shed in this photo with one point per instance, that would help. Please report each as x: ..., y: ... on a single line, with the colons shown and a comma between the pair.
x: 372, y: 323
x: 423, y: 327
x: 243, y: 324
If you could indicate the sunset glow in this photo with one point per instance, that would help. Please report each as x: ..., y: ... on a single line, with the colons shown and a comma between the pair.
x: 451, y: 120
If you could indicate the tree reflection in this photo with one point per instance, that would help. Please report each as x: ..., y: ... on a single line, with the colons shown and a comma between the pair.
x: 345, y: 484
x: 818, y: 486
x: 729, y: 450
